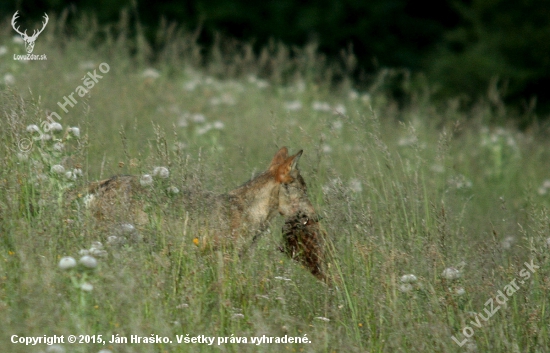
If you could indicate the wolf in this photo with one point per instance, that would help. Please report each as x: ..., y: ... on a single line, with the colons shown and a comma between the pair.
x: 236, y: 218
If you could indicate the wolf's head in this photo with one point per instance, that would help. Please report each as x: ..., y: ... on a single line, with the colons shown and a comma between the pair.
x: 293, y: 198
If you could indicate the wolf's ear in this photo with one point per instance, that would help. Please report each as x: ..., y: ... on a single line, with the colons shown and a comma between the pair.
x: 278, y: 159
x: 285, y: 170
x: 295, y: 159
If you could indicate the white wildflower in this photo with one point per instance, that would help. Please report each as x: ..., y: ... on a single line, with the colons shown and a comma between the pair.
x: 203, y: 129
x: 127, y: 228
x: 437, y: 168
x: 237, y: 316
x: 87, y: 65
x: 150, y: 73
x: 507, y: 242
x: 300, y: 85
x: 84, y: 252
x: 366, y: 99
x: 511, y: 142
x: 293, y: 105
x: 234, y: 86
x: 33, y: 128
x: 407, y: 141
x: 262, y: 84
x: 173, y: 190
x: 451, y: 273
x: 471, y: 347
x: 98, y: 252
x: 405, y: 287
x: 161, y: 172
x: 353, y: 95
x: 337, y: 125
x: 191, y: 85
x: 87, y: 287
x: 460, y: 182
x: 96, y: 245
x: 326, y: 148
x: 88, y: 261
x: 17, y: 39
x: 45, y: 137
x: 41, y: 177
x: 225, y: 98
x: 320, y: 106
x: 77, y: 172
x: 460, y: 291
x: 340, y: 109
x: 88, y: 200
x: 55, y: 127
x: 355, y: 185
x: 67, y: 262
x: 332, y: 185
x: 198, y: 118
x: 218, y: 125
x: 58, y: 147
x: 3, y: 50
x: 58, y: 169
x: 215, y: 101
x: 111, y: 239
x: 410, y: 278
x: 259, y: 82
x: 9, y: 79
x: 70, y: 176
x: 321, y: 318
x: 37, y: 165
x: 543, y: 190
x: 146, y: 180
x: 75, y: 131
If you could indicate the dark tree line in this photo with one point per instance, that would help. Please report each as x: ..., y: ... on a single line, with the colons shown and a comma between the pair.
x: 459, y: 44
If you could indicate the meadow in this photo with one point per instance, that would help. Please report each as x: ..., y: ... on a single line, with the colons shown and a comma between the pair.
x: 436, y: 213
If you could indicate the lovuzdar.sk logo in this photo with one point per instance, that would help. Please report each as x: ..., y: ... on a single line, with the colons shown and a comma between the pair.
x: 29, y: 40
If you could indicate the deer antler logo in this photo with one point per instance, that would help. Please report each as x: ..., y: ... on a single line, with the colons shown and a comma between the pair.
x: 29, y: 40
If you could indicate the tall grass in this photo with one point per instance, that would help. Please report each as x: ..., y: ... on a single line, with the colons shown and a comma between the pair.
x: 405, y: 188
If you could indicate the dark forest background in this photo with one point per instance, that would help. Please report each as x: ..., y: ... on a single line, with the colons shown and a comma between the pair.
x: 458, y: 46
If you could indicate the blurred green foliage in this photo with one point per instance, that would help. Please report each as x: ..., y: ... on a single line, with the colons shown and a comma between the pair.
x: 508, y: 40
x: 460, y: 45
